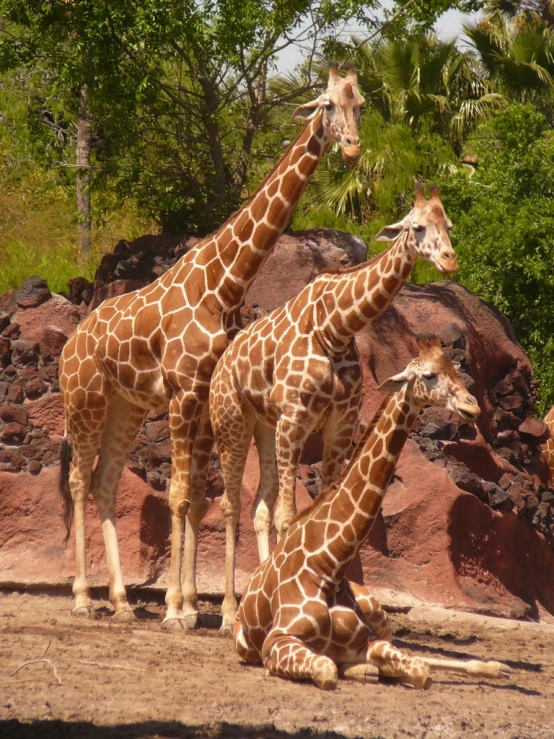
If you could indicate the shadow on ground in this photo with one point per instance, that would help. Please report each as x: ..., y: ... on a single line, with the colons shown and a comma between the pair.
x: 14, y: 729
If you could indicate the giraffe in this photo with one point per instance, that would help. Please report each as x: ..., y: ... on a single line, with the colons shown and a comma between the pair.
x: 297, y: 370
x: 299, y: 615
x: 548, y: 447
x: 156, y: 348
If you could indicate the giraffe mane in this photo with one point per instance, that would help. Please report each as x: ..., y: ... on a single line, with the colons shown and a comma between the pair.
x: 328, y: 492
x: 349, y: 270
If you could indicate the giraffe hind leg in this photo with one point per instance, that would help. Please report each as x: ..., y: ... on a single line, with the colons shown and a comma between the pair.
x: 123, y: 421
x: 85, y: 414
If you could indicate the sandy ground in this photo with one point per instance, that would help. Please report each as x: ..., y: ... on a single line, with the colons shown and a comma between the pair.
x: 109, y: 680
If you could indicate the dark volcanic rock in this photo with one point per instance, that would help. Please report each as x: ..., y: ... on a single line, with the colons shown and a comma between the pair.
x: 33, y: 291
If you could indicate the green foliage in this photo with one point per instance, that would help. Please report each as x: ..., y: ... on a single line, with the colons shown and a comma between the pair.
x: 37, y: 212
x: 58, y: 265
x: 504, y: 230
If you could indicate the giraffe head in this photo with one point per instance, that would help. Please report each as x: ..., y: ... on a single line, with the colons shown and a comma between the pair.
x: 340, y: 104
x: 428, y: 229
x: 435, y: 381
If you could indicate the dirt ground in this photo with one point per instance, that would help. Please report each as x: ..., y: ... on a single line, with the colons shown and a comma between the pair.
x: 99, y: 679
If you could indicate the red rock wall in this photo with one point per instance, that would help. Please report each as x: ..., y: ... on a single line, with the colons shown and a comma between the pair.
x: 467, y: 521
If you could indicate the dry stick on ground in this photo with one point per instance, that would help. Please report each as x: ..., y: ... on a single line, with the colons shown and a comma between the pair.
x: 43, y: 658
x: 109, y: 666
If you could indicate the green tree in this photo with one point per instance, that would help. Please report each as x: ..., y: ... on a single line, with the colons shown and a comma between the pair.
x: 504, y: 230
x: 177, y: 93
x: 517, y: 58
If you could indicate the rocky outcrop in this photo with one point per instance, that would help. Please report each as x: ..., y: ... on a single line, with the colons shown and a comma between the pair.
x: 467, y: 522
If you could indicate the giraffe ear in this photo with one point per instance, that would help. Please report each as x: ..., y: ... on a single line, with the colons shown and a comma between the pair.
x: 390, y: 233
x: 394, y: 383
x: 307, y: 111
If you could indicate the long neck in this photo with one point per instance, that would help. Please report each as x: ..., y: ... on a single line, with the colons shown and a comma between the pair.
x: 356, y: 500
x: 245, y: 241
x: 356, y: 297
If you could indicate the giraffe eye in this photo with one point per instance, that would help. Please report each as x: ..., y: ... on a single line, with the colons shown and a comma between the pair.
x: 328, y: 104
x: 429, y: 375
x: 418, y: 227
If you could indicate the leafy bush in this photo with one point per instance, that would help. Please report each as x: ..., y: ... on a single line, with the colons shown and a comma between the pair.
x: 504, y: 230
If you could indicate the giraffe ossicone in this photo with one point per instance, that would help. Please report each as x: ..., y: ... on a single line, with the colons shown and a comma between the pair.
x: 157, y: 347
x: 297, y: 371
x: 299, y: 615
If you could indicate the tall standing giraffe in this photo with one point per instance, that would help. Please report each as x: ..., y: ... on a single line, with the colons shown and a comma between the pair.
x: 297, y: 370
x: 299, y: 615
x: 156, y: 348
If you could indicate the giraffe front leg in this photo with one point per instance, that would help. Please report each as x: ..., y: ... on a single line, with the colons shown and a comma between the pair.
x: 392, y: 662
x: 268, y: 489
x: 373, y: 612
x: 202, y: 448
x: 291, y: 434
x: 338, y: 436
x: 184, y: 417
x: 473, y: 667
x: 287, y: 656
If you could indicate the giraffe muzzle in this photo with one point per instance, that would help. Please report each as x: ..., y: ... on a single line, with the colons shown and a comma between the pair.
x: 469, y: 413
x: 447, y: 261
x: 351, y: 153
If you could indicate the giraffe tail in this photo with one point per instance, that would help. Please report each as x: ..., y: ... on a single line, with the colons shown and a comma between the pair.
x: 66, y: 454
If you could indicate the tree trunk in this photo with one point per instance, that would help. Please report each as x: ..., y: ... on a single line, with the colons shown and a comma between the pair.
x: 84, y: 137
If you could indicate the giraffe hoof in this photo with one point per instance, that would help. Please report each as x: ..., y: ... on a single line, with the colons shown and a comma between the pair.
x: 226, y: 630
x: 83, y: 612
x: 124, y: 617
x: 183, y: 623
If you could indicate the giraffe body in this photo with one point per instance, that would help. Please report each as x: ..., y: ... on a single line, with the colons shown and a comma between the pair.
x: 299, y: 615
x: 297, y: 371
x: 156, y: 348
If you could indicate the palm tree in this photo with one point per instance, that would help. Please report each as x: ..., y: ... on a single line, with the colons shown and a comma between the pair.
x: 427, y: 96
x: 517, y: 58
x: 423, y: 80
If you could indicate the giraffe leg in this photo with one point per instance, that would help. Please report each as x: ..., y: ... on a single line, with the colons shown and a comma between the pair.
x: 184, y: 418
x: 203, y: 445
x: 290, y: 437
x: 287, y: 656
x: 234, y: 450
x: 84, y: 454
x: 268, y: 489
x: 86, y: 414
x: 338, y: 436
x: 473, y: 667
x: 123, y: 422
x: 392, y: 662
x: 374, y: 615
x: 245, y: 649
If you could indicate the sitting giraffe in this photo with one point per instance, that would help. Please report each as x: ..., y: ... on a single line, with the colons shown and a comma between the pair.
x: 299, y: 615
x: 297, y: 370
x: 156, y: 348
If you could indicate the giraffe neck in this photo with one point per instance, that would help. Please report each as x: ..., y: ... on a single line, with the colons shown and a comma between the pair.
x: 356, y: 297
x: 246, y: 239
x: 355, y: 501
